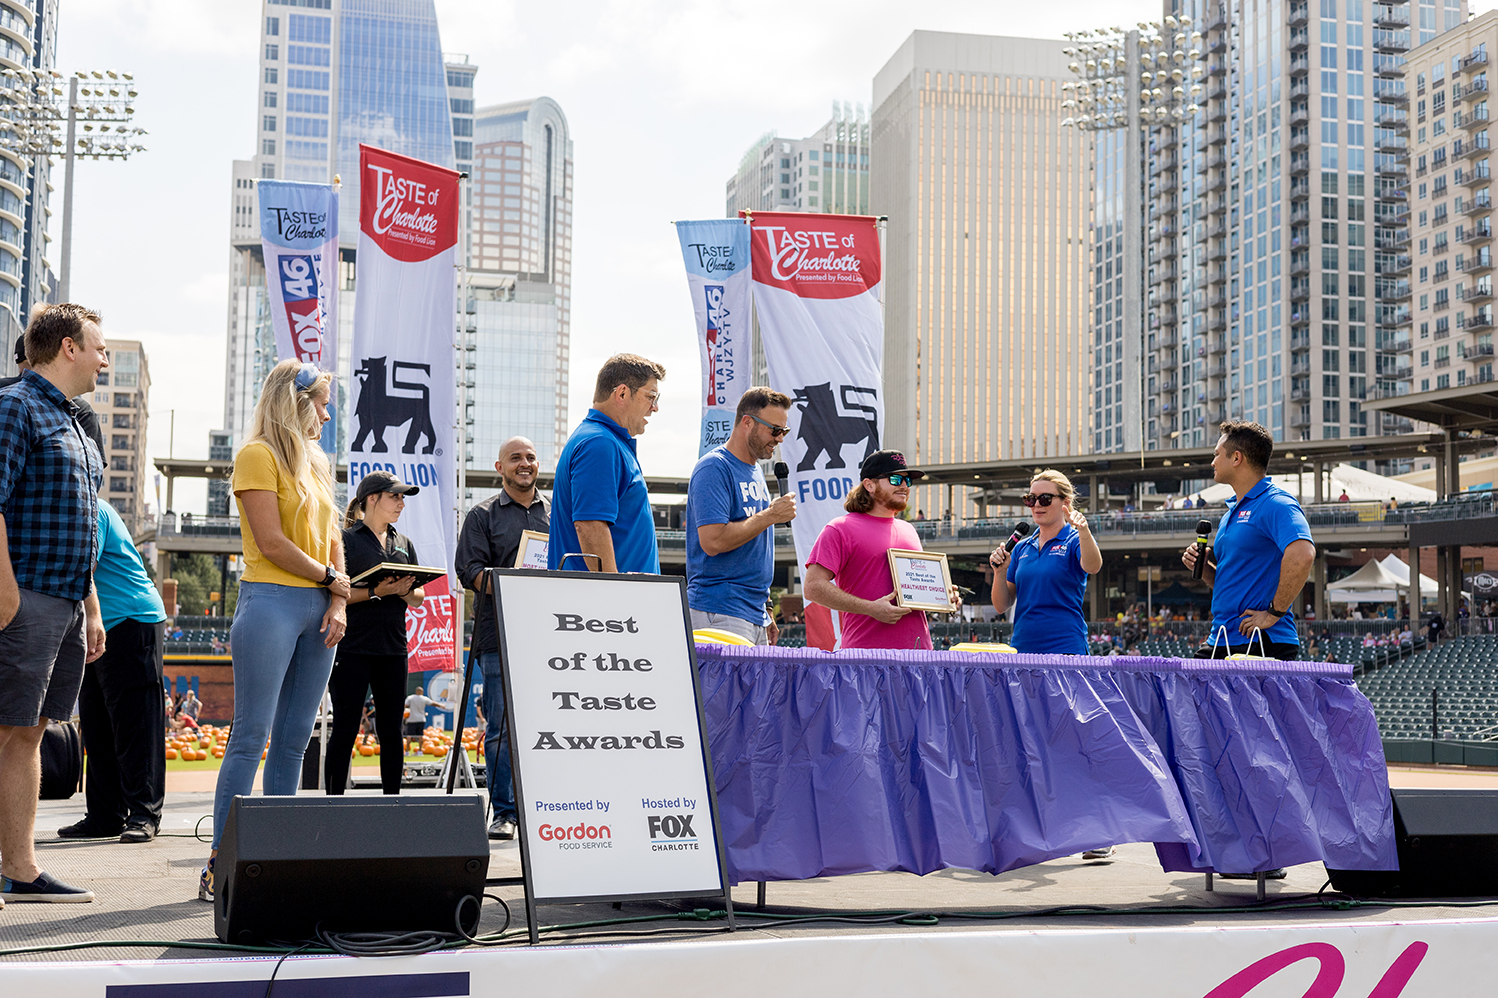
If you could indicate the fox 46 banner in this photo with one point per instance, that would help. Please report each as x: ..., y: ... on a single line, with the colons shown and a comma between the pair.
x: 818, y: 298
x: 716, y: 253
x: 299, y: 237
x: 404, y: 399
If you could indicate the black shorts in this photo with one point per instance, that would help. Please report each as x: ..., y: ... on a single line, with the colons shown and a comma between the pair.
x: 1282, y: 650
x: 41, y: 660
x: 415, y: 729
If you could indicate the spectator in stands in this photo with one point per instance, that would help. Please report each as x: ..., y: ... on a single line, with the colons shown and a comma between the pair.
x: 217, y: 645
x: 730, y: 522
x: 1434, y: 628
x: 176, y: 634
x: 50, y: 473
x: 290, y: 615
x: 1261, y: 552
x: 119, y: 703
x: 848, y: 567
x: 600, y: 504
x: 1344, y: 497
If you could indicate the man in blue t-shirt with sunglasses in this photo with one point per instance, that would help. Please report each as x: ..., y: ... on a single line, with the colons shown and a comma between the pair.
x: 729, y: 516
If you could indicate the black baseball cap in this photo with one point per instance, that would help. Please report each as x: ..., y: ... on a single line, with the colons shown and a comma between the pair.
x: 887, y: 462
x: 20, y: 348
x: 384, y: 481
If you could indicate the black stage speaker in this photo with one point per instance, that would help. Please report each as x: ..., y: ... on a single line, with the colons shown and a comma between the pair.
x: 287, y: 865
x: 1448, y: 848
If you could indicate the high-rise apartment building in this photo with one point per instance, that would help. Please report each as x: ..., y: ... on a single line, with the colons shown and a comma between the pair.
x: 122, y: 399
x: 988, y: 259
x: 1445, y: 292
x: 1275, y: 226
x: 28, y: 41
x: 520, y: 278
x: 333, y: 74
x: 828, y: 171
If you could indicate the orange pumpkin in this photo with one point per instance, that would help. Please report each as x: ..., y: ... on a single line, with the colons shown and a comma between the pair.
x: 171, y: 753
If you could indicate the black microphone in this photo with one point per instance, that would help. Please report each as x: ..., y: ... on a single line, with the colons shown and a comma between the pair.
x: 1021, y: 531
x: 782, y: 477
x: 1203, y: 531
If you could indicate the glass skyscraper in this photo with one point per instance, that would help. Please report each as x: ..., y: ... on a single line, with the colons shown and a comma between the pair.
x: 333, y: 74
x: 1274, y: 233
x: 28, y: 40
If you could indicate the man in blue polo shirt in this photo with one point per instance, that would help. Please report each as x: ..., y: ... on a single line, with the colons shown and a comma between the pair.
x: 730, y: 521
x: 1262, y: 551
x: 599, y: 503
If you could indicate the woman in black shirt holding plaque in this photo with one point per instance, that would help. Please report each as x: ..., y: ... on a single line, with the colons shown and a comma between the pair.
x: 372, y: 655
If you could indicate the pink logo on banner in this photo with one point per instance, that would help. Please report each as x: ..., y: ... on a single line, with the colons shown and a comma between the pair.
x: 1328, y: 976
x: 409, y: 208
x: 815, y: 256
x: 429, y: 629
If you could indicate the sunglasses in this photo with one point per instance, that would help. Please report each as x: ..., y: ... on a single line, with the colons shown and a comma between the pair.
x: 775, y: 431
x: 1043, y: 500
x: 901, y: 480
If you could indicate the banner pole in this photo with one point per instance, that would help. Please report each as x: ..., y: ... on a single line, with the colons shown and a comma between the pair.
x: 465, y: 209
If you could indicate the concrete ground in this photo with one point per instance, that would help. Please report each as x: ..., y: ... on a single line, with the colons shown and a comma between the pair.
x: 149, y: 892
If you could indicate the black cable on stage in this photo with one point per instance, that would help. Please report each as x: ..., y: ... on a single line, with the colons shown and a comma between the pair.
x: 277, y: 968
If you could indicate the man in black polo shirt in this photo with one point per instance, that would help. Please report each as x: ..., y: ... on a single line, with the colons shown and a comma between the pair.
x: 490, y: 538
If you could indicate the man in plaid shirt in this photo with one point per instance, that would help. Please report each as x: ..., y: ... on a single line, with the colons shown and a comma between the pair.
x: 50, y: 475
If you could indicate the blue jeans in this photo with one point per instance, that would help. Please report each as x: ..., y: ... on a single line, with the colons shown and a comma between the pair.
x: 281, y: 669
x: 496, y: 739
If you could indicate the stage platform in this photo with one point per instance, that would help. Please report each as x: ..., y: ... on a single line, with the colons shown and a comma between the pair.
x: 148, y: 892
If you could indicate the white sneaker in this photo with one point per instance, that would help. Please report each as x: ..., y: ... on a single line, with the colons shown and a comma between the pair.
x: 1106, y: 852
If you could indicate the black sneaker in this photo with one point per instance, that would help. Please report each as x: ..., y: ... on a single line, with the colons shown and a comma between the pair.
x: 44, y: 888
x: 138, y: 831
x: 1275, y: 874
x: 86, y: 829
x: 503, y: 828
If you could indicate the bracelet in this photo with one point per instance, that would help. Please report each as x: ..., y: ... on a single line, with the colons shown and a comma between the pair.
x: 1275, y: 613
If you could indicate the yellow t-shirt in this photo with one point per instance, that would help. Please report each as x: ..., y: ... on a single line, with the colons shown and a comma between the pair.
x: 310, y: 526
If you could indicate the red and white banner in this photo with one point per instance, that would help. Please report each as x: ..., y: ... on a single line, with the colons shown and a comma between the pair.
x: 817, y: 295
x: 403, y: 397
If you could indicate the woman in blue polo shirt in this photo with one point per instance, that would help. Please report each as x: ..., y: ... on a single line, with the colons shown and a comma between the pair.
x: 1047, y: 575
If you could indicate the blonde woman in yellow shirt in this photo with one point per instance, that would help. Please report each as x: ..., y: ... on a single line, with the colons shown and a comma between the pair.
x: 290, y: 612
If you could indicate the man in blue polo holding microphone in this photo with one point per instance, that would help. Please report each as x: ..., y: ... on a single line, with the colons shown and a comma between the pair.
x: 1262, y: 552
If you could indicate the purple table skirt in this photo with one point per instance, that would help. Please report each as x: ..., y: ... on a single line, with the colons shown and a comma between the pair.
x: 917, y: 761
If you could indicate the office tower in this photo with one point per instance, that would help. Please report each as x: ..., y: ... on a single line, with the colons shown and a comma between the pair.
x: 26, y: 278
x: 520, y: 278
x: 333, y: 74
x: 220, y: 449
x: 1445, y: 289
x: 827, y: 171
x: 988, y: 258
x: 1275, y: 233
x: 122, y: 399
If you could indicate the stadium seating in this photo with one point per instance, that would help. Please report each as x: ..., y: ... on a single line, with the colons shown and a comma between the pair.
x: 1464, y: 670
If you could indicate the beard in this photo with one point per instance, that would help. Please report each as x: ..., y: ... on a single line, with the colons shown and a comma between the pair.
x: 894, y: 505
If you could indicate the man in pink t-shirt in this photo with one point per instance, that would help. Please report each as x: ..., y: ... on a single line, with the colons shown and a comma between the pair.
x: 848, y: 568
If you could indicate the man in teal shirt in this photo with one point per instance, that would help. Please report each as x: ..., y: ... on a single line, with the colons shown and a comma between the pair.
x: 121, y: 705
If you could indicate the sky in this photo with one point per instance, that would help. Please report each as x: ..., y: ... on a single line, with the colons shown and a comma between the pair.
x: 662, y: 99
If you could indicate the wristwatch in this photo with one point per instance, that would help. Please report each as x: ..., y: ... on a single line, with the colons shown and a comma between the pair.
x: 327, y: 580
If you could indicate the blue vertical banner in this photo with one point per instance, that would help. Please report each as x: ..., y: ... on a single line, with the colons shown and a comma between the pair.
x: 299, y: 237
x: 716, y: 253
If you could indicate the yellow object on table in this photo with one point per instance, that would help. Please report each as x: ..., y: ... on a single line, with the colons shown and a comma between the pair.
x: 989, y: 647
x: 713, y: 636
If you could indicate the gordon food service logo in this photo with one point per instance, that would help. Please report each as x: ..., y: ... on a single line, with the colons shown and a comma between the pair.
x: 579, y: 836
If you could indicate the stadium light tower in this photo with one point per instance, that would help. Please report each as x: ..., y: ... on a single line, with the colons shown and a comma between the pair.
x: 104, y: 103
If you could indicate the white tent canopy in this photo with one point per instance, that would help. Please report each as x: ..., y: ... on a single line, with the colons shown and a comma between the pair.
x: 1379, y: 582
x: 1361, y: 486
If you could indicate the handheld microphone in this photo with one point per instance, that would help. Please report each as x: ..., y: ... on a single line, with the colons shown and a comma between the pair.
x: 1203, y: 531
x: 782, y: 477
x: 1021, y: 531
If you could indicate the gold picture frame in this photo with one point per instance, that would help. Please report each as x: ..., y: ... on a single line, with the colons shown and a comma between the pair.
x: 532, y: 550
x: 916, y: 581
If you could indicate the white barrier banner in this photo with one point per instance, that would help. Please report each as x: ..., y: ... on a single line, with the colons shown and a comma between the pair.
x: 1346, y: 959
x: 716, y: 254
x: 817, y: 294
x: 404, y: 396
x: 299, y: 238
